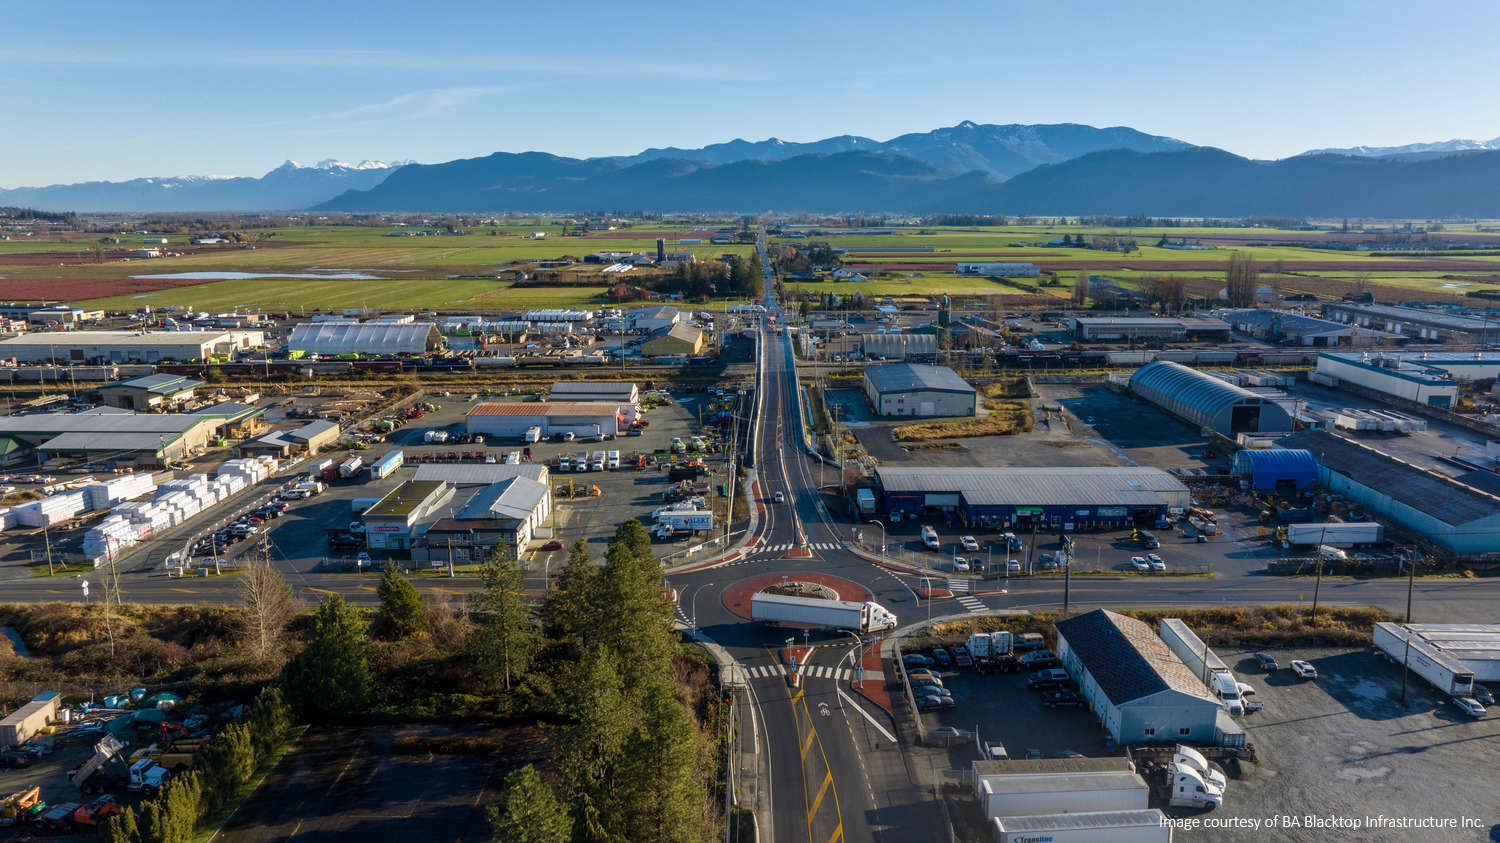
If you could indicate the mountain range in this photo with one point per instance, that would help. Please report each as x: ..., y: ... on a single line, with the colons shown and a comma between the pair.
x: 290, y: 186
x: 968, y: 168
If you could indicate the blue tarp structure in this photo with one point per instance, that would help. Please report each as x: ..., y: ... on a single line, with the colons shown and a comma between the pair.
x: 1278, y: 468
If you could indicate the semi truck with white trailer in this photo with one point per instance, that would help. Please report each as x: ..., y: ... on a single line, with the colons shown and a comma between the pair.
x: 990, y: 649
x: 789, y: 610
x: 1338, y: 534
x: 1405, y: 647
x: 1204, y: 663
x: 351, y: 466
x: 387, y: 465
x: 1024, y: 795
x: 1194, y: 783
x: 1142, y: 826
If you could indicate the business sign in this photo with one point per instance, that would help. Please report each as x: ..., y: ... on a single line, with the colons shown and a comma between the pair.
x: 386, y: 528
x: 1110, y: 512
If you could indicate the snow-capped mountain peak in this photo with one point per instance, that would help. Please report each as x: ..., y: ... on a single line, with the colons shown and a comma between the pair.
x: 336, y: 164
x: 1438, y: 147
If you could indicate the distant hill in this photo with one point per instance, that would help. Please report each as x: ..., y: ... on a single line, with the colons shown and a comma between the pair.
x: 288, y: 187
x: 1213, y: 182
x: 1001, y: 151
x: 1413, y: 151
x: 535, y: 181
x: 1197, y: 181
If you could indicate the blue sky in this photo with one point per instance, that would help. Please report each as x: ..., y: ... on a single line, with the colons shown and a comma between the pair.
x: 95, y: 91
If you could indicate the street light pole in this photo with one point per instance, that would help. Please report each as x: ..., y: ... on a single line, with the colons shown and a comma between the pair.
x: 695, y: 604
x: 882, y: 533
x: 928, y: 583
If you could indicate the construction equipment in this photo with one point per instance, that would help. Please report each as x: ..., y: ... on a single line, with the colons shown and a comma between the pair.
x: 91, y: 776
x: 174, y: 755
x: 93, y: 814
x: 21, y: 807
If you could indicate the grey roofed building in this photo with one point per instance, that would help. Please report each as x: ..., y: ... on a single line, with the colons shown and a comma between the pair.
x: 621, y: 392
x: 365, y: 338
x: 1127, y: 659
x: 898, y: 346
x: 910, y: 376
x: 513, y: 498
x: 1297, y: 329
x: 483, y: 474
x: 1039, y: 486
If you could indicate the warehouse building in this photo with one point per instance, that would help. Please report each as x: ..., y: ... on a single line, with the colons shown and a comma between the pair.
x: 1461, y: 647
x: 1456, y: 517
x: 1433, y: 378
x: 899, y: 346
x: 681, y: 338
x: 618, y: 392
x: 654, y: 318
x: 1071, y: 498
x: 331, y: 339
x: 909, y: 389
x: 1207, y: 402
x: 1008, y: 270
x: 27, y: 722
x: 1140, y: 690
x: 1149, y: 328
x: 391, y: 523
x: 1279, y: 326
x: 94, y: 347
x: 479, y: 474
x: 507, y: 513
x: 124, y: 439
x: 150, y: 392
x: 1277, y: 470
x: 511, y: 419
x: 310, y: 438
x: 1416, y: 323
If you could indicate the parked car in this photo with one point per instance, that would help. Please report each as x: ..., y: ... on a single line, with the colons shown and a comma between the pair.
x: 1013, y: 566
x: 931, y: 691
x: 1063, y: 699
x: 923, y: 671
x: 926, y: 682
x: 1157, y: 563
x: 555, y: 544
x: 1470, y: 706
x: 969, y: 543
x: 915, y: 660
x: 1051, y: 678
x: 1266, y: 661
x: 1038, y: 658
x: 1483, y: 694
x: 1304, y: 670
x: 942, y: 657
x: 960, y: 564
x: 1140, y: 564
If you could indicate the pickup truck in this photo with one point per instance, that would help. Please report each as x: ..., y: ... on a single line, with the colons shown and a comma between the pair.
x: 1063, y: 698
x: 1051, y: 678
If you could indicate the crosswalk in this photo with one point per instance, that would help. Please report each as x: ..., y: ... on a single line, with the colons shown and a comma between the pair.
x: 782, y: 548
x: 762, y: 671
x: 960, y: 589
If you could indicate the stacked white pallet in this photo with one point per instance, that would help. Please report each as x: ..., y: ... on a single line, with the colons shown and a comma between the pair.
x: 7, y: 518
x: 51, y: 510
x: 115, y: 490
x: 150, y: 515
x: 111, y: 537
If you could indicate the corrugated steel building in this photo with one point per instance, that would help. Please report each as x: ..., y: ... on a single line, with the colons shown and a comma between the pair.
x: 899, y: 346
x: 1278, y: 469
x: 580, y: 418
x: 481, y: 474
x: 334, y: 338
x: 1062, y: 497
x: 149, y: 392
x: 508, y: 513
x: 1459, y: 518
x: 1140, y: 690
x: 619, y: 392
x: 908, y: 389
x: 126, y: 346
x: 1207, y: 402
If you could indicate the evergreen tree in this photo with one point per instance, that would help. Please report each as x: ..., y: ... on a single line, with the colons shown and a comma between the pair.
x: 532, y: 813
x: 153, y: 826
x: 400, y: 603
x: 332, y: 674
x: 120, y: 828
x: 602, y: 718
x: 629, y: 592
x: 504, y: 639
x: 659, y: 797
x: 565, y: 610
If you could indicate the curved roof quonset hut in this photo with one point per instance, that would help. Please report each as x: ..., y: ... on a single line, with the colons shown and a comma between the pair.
x: 1205, y: 401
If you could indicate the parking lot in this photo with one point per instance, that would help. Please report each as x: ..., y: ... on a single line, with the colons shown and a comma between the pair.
x: 50, y: 773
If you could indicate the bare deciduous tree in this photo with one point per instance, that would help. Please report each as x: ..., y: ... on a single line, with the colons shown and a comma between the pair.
x: 1361, y: 282
x: 1241, y: 280
x: 1081, y: 289
x: 267, y: 607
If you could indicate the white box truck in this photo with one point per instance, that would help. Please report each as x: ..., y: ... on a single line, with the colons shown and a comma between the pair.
x: 1204, y: 663
x: 686, y: 519
x: 1443, y: 672
x: 1144, y: 826
x: 785, y: 609
x: 1022, y: 795
x: 532, y: 434
x: 1343, y: 535
x: 865, y: 499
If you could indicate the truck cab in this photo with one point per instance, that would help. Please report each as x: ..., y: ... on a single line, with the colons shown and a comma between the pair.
x: 1194, y: 783
x: 1224, y: 686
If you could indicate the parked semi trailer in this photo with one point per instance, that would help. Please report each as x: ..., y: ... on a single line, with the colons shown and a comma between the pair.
x: 1445, y: 673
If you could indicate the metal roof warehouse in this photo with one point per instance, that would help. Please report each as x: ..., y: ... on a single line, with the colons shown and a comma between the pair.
x: 364, y: 338
x: 1207, y: 402
x: 1065, y: 497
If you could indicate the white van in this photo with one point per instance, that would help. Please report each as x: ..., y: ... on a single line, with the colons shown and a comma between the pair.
x: 930, y: 538
x: 1332, y: 554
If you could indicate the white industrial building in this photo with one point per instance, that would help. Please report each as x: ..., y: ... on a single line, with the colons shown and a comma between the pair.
x: 908, y: 389
x: 128, y: 346
x: 508, y: 513
x: 619, y: 392
x: 581, y: 418
x: 1138, y: 688
x: 1002, y: 269
x: 899, y: 346
x: 334, y: 338
x: 1433, y: 378
x: 1287, y: 328
x: 648, y: 319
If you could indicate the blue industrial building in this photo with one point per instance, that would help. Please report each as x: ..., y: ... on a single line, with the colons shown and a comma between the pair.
x: 1066, y: 498
x: 1280, y: 470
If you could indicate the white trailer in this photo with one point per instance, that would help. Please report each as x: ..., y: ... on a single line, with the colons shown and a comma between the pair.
x: 1204, y: 663
x: 814, y: 612
x: 1144, y: 826
x: 1445, y: 673
x: 1022, y: 795
x: 686, y: 519
x: 1339, y: 534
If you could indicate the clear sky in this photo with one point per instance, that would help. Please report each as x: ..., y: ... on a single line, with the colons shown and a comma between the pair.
x: 90, y: 90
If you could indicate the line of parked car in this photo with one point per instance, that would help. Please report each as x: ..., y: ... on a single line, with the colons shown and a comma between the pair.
x: 239, y: 530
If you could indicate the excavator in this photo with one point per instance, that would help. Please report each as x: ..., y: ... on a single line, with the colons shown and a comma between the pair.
x: 21, y: 807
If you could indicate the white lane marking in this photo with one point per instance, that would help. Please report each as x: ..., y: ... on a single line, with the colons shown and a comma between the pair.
x: 873, y: 722
x: 972, y: 604
x: 957, y: 586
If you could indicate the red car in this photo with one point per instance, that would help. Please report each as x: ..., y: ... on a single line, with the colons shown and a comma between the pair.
x: 555, y: 544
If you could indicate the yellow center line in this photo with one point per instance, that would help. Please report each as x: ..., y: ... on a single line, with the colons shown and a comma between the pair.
x: 184, y: 590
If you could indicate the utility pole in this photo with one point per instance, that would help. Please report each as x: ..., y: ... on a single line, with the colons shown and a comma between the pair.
x: 1317, y: 584
x: 450, y: 556
x: 47, y: 540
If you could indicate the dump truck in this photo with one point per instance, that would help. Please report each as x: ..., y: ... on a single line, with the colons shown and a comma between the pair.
x: 90, y: 816
x: 789, y: 610
x: 97, y: 773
